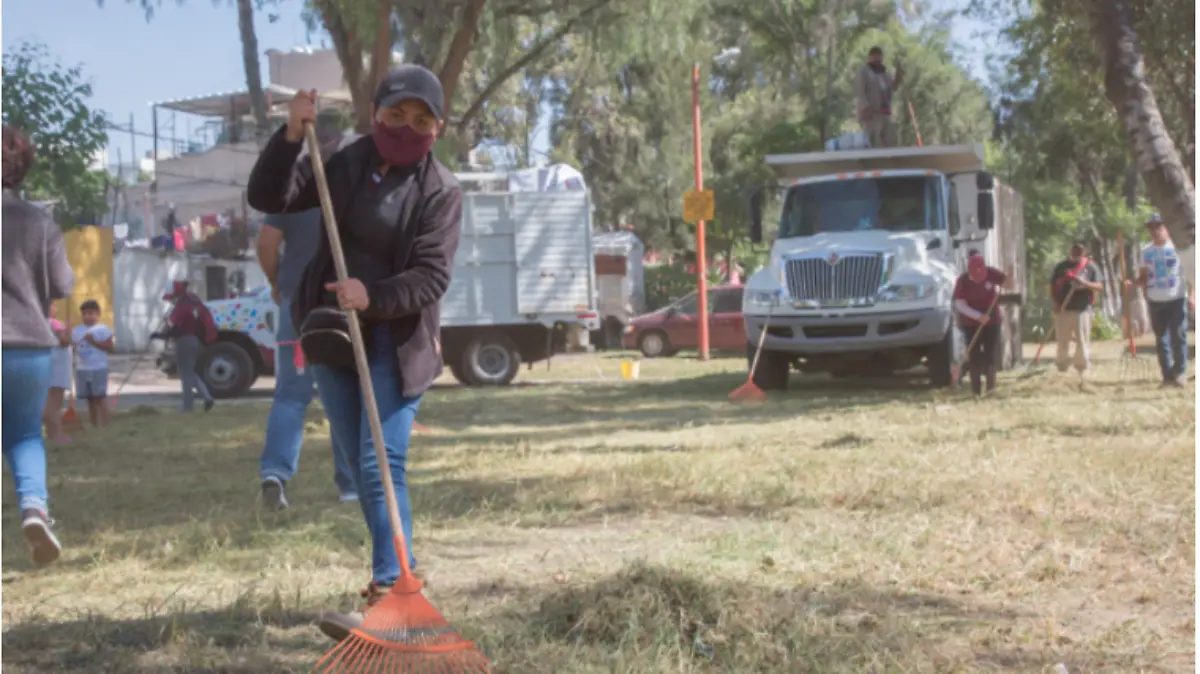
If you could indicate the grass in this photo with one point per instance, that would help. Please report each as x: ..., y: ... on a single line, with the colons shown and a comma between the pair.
x: 652, y: 526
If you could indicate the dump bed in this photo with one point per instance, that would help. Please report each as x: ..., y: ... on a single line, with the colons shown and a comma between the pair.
x: 947, y: 159
x: 523, y: 257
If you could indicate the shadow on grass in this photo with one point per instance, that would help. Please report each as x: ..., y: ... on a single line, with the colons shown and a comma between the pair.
x: 242, y: 639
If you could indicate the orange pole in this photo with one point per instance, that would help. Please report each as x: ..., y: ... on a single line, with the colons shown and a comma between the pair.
x: 701, y: 261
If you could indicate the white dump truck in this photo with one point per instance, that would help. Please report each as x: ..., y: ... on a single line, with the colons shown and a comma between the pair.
x: 863, y: 264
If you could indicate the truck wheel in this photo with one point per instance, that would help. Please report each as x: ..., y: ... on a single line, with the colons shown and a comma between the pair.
x: 773, y: 369
x: 459, y: 374
x: 654, y: 344
x: 227, y: 370
x: 491, y: 360
x: 941, y: 360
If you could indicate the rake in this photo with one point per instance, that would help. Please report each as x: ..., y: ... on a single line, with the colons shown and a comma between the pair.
x: 1133, y: 366
x: 403, y: 633
x: 750, y: 392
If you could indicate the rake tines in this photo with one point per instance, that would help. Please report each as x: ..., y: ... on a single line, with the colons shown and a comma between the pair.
x: 387, y: 643
x: 1136, y: 368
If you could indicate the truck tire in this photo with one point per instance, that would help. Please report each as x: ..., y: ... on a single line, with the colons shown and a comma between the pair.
x: 491, y: 359
x: 227, y: 370
x: 941, y: 360
x: 654, y: 344
x: 459, y: 374
x: 774, y: 369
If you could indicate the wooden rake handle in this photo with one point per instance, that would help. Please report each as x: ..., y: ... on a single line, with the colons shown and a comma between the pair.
x: 360, y: 351
x: 1054, y: 324
x: 1126, y: 312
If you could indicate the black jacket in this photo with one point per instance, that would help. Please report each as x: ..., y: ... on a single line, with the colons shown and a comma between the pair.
x: 431, y: 223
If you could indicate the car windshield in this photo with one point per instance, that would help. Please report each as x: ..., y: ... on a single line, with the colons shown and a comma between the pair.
x: 897, y: 204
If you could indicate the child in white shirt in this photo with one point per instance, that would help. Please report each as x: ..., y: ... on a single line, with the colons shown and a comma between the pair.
x: 93, y: 342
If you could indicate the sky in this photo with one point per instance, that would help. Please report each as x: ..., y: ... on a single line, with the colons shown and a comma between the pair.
x: 186, y: 50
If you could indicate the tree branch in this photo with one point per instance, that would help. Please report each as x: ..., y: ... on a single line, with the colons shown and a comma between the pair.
x: 534, y: 53
x: 460, y: 47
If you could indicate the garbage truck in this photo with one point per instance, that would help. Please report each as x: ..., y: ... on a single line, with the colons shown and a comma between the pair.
x: 862, y: 266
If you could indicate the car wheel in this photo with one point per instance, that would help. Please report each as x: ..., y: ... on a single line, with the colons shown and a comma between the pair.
x: 654, y: 344
x: 490, y: 360
x: 227, y: 370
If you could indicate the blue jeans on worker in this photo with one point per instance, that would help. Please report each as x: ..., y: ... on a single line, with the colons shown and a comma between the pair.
x: 285, y: 423
x: 26, y: 380
x: 1169, y: 320
x: 342, y: 396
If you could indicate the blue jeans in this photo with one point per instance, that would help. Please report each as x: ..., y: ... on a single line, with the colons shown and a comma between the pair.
x: 26, y: 380
x: 342, y: 396
x: 1169, y: 320
x: 285, y: 423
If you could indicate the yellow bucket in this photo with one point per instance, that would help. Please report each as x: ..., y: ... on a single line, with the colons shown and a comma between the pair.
x: 629, y: 369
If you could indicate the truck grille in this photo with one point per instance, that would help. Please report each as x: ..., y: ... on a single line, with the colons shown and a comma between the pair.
x: 851, y: 277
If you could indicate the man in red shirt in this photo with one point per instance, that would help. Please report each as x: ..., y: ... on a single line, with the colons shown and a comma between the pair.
x: 975, y: 295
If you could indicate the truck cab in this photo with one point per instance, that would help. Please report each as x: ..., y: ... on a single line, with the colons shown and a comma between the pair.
x: 866, y: 252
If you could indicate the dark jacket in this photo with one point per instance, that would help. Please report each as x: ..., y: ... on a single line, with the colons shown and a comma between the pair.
x: 35, y: 272
x: 428, y: 238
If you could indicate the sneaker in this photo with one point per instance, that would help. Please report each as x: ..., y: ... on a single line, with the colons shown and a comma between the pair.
x: 35, y: 526
x: 337, y: 626
x: 208, y: 404
x: 274, y: 494
x: 348, y: 497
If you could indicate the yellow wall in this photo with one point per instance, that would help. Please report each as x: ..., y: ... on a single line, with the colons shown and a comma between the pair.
x: 89, y: 250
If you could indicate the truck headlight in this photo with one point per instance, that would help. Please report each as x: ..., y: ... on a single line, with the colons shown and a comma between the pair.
x: 763, y: 298
x: 906, y: 292
x: 630, y: 329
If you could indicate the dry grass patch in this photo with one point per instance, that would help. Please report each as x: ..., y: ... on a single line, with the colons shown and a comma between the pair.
x: 652, y: 526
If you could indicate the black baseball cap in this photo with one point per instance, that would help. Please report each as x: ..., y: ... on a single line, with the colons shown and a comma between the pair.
x: 410, y: 83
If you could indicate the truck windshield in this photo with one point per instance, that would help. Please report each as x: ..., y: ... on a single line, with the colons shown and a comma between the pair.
x: 899, y: 204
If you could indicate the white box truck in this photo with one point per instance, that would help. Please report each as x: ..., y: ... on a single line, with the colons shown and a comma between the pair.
x: 523, y: 287
x: 863, y: 264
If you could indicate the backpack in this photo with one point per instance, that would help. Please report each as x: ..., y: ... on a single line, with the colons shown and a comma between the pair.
x: 202, y: 323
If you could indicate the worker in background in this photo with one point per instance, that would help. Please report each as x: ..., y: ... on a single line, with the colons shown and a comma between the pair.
x: 1073, y: 288
x: 1170, y: 297
x: 873, y: 90
x: 975, y: 294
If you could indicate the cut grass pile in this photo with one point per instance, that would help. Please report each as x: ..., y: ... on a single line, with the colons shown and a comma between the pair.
x: 651, y: 526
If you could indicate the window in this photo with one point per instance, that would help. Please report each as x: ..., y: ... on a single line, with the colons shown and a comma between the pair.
x: 727, y: 301
x: 897, y: 204
x: 689, y: 305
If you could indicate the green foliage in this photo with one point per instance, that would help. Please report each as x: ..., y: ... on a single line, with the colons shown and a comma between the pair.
x: 1104, y: 328
x: 666, y: 283
x: 49, y: 103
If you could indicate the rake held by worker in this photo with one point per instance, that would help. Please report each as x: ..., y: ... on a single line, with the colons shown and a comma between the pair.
x: 954, y: 375
x: 1133, y: 366
x: 403, y: 633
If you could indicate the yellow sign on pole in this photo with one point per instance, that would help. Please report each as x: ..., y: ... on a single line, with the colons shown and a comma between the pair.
x: 697, y: 206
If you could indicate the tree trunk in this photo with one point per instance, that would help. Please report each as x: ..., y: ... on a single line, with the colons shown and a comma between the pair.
x: 460, y: 48
x: 1125, y: 84
x: 258, y: 99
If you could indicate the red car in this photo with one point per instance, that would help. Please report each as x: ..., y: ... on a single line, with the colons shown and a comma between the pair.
x: 673, y: 328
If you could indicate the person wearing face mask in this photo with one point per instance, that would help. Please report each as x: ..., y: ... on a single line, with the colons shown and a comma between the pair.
x: 975, y: 295
x: 873, y: 90
x: 398, y: 211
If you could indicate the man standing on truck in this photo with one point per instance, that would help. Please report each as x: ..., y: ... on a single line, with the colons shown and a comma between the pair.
x: 874, y: 87
x: 299, y: 234
x: 1169, y: 295
x: 1073, y: 288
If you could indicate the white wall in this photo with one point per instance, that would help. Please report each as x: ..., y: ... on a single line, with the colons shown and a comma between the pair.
x: 141, y: 277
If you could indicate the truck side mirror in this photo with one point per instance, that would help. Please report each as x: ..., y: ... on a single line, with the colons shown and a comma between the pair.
x: 934, y: 244
x: 984, y: 181
x: 756, y: 215
x: 985, y: 210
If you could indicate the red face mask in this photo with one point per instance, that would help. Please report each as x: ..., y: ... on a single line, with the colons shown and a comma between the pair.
x: 401, y: 147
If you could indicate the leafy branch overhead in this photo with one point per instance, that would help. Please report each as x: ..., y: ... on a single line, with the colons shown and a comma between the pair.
x: 48, y: 102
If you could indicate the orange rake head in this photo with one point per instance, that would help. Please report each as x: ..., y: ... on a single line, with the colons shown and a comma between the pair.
x: 404, y: 634
x: 748, y: 392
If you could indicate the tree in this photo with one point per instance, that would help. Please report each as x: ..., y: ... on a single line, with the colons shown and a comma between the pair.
x: 49, y: 103
x: 1127, y: 87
